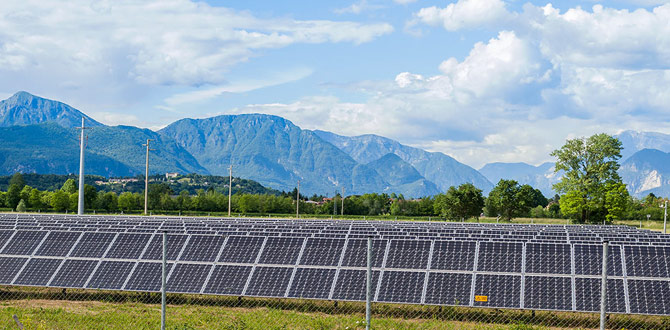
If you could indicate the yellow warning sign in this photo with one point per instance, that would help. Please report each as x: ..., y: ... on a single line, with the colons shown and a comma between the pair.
x: 482, y: 298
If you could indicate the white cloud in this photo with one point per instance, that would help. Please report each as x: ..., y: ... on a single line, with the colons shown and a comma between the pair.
x: 158, y: 42
x: 199, y: 95
x: 464, y: 14
x: 358, y: 7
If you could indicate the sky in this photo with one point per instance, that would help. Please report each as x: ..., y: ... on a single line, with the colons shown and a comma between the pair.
x: 480, y: 80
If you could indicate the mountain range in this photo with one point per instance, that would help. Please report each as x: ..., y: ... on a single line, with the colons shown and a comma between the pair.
x: 37, y: 135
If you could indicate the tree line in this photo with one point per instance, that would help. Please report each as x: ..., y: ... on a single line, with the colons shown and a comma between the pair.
x: 590, y: 192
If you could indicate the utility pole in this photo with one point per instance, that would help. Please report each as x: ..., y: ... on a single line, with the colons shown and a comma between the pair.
x: 665, y: 216
x: 82, y: 146
x: 146, y: 178
x: 230, y: 188
x: 297, y: 201
x: 342, y: 201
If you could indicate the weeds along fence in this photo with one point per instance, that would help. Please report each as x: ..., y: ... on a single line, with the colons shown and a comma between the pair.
x: 122, y: 294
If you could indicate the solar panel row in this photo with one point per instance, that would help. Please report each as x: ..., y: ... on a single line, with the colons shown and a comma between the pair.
x: 501, y: 266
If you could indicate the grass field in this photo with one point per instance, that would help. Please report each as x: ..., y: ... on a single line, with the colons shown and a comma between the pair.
x: 41, y: 308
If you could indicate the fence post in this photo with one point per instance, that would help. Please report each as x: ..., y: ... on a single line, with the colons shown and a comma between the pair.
x: 368, y: 289
x: 163, y: 284
x: 603, y: 290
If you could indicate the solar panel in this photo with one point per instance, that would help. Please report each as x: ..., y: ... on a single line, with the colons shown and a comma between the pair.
x: 453, y: 255
x: 147, y: 276
x: 408, y: 254
x: 500, y: 257
x: 322, y: 252
x: 497, y: 291
x: 9, y: 267
x: 228, y: 279
x: 24, y: 242
x: 356, y: 254
x: 587, y: 295
x: 401, y: 286
x: 544, y: 292
x: 155, y: 249
x: 58, y: 243
x: 241, y: 249
x: 281, y: 250
x: 74, y: 273
x: 448, y: 289
x: 110, y: 275
x: 548, y: 258
x: 312, y: 283
x: 269, y: 281
x: 351, y: 284
x: 648, y: 261
x: 188, y: 278
x: 92, y: 245
x: 38, y: 272
x: 589, y: 260
x: 202, y: 248
x: 128, y: 246
x: 649, y: 297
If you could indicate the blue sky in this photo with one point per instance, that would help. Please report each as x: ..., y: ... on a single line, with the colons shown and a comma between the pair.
x: 480, y: 80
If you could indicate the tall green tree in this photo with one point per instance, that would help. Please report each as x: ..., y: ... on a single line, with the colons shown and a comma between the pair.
x: 13, y: 196
x: 590, y: 171
x: 17, y: 179
x: 70, y: 186
x: 510, y: 200
x: 463, y: 202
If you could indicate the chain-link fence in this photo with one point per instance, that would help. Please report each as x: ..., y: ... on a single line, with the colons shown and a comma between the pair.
x: 50, y: 308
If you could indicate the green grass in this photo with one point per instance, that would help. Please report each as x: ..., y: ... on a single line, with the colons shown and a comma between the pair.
x: 42, y: 308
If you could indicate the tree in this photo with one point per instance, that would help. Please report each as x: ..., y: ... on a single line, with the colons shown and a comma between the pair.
x: 90, y: 195
x: 35, y: 199
x: 510, y: 200
x: 590, y: 164
x: 616, y: 200
x: 13, y: 196
x: 60, y: 200
x: 70, y: 186
x: 17, y: 179
x: 21, y: 207
x: 127, y: 201
x: 463, y: 202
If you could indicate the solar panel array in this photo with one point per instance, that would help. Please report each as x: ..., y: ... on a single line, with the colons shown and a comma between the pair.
x: 541, y: 267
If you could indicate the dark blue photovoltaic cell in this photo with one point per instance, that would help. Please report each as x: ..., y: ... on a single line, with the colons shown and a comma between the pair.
x: 543, y: 292
x: 38, y: 271
x: 453, y: 255
x: 500, y: 257
x: 589, y: 260
x: 356, y: 254
x: 9, y: 267
x: 312, y: 283
x: 500, y: 290
x: 649, y: 296
x: 449, y: 289
x: 281, y: 250
x: 587, y: 294
x: 128, y: 246
x: 648, y: 261
x: 74, y: 273
x: 269, y: 281
x: 322, y: 252
x: 24, y: 242
x: 110, y: 275
x: 228, y: 280
x: 351, y: 284
x: 58, y: 243
x: 188, y: 278
x: 408, y: 254
x: 404, y: 287
x: 241, y: 249
x: 92, y: 245
x: 147, y: 276
x: 548, y: 258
